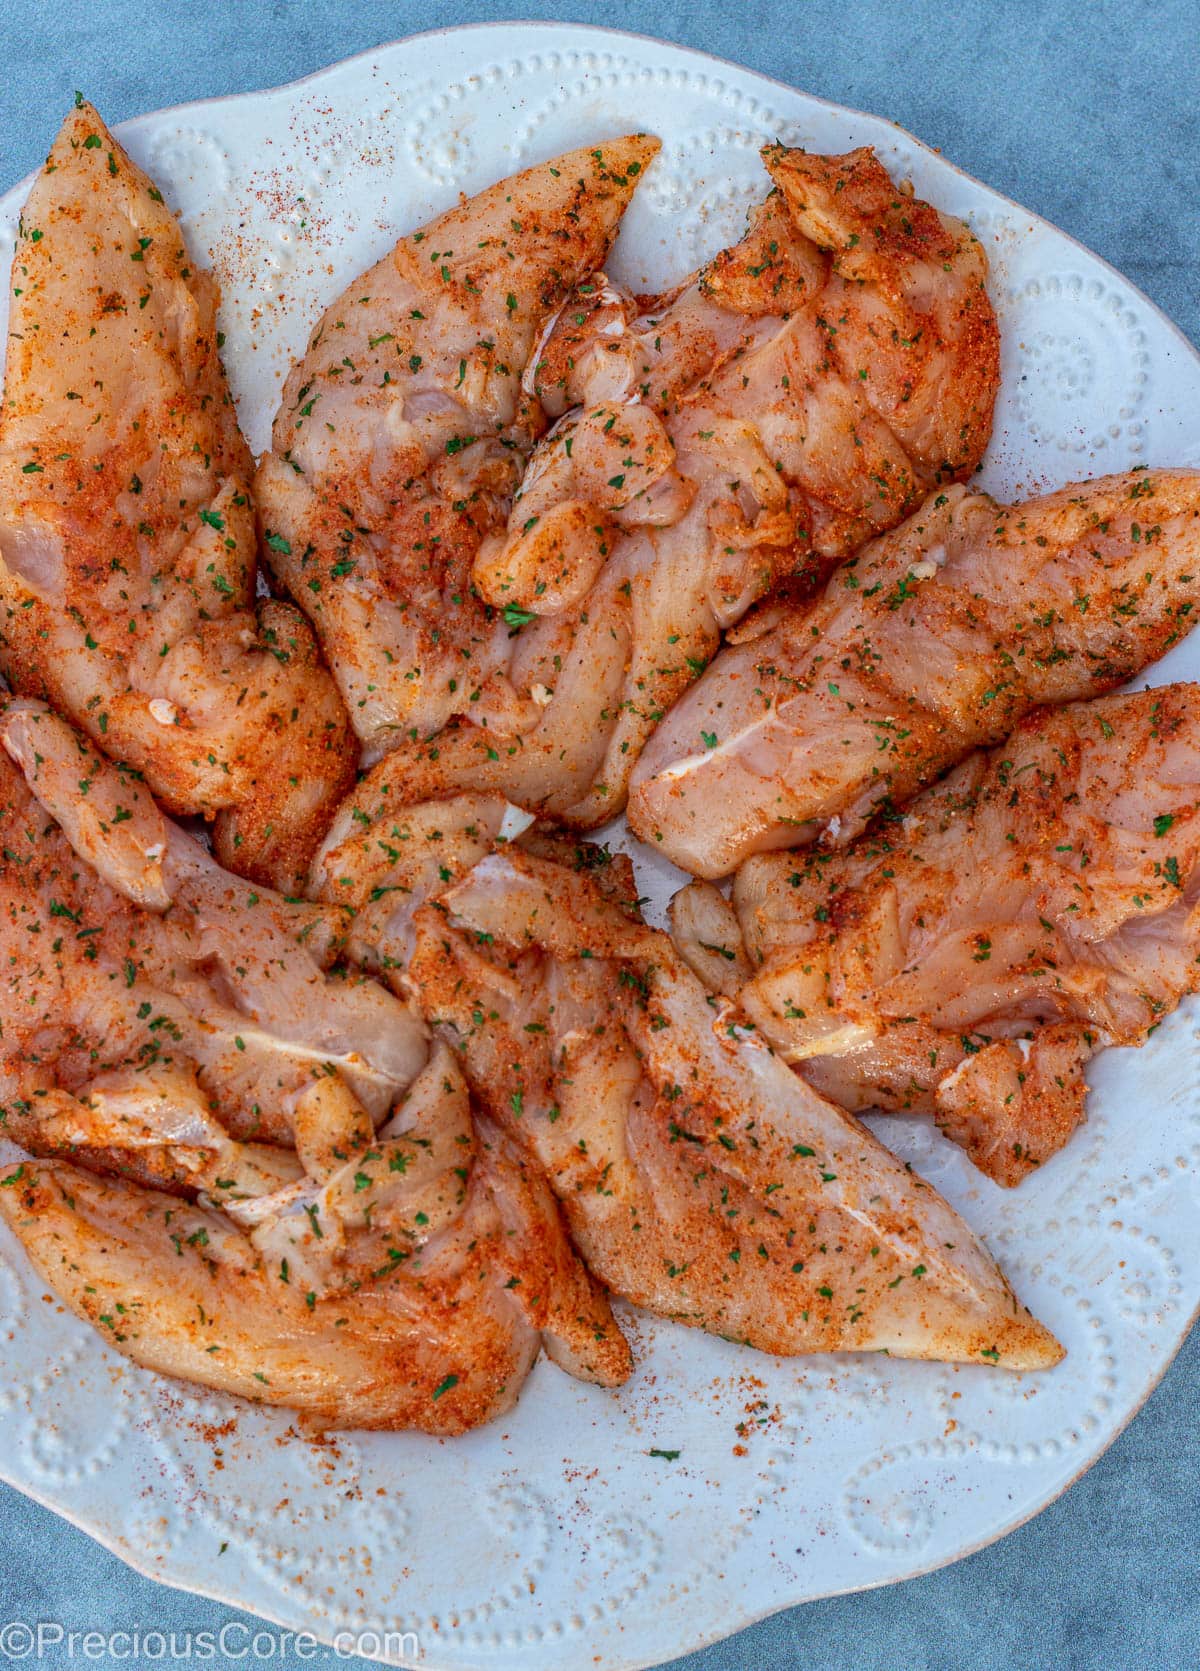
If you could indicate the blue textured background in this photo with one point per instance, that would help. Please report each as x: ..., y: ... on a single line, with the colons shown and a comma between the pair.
x: 1088, y: 114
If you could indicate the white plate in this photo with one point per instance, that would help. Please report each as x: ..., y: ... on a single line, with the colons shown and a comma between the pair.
x: 552, y: 1539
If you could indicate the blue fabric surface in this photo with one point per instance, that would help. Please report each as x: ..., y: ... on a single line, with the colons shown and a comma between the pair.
x: 1087, y: 114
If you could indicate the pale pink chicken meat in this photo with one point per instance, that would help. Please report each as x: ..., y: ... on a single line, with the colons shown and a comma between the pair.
x: 700, y: 1178
x: 391, y: 848
x: 403, y: 433
x: 968, y: 955
x: 798, y: 395
x: 127, y: 534
x: 254, y: 1170
x: 933, y: 641
x: 159, y: 943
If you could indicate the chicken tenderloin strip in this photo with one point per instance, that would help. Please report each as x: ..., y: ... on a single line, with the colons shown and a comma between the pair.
x: 967, y: 956
x: 794, y: 398
x: 403, y: 433
x: 134, y: 945
x: 395, y: 844
x: 934, y: 640
x: 258, y: 1175
x: 401, y: 1302
x: 699, y: 1176
x: 127, y: 534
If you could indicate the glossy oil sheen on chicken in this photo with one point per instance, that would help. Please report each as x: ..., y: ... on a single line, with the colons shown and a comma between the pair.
x: 933, y: 641
x: 967, y: 956
x: 797, y: 396
x: 253, y: 1171
x: 700, y: 1177
x: 404, y: 431
x: 127, y: 537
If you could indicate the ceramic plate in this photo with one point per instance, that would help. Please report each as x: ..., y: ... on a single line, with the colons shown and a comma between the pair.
x: 555, y: 1538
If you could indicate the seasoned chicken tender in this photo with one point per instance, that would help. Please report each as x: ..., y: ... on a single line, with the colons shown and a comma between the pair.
x: 255, y: 1172
x: 905, y: 310
x: 699, y: 1176
x: 135, y: 945
x: 403, y: 433
x: 968, y: 955
x: 934, y: 640
x: 427, y: 1312
x: 127, y: 536
x: 793, y: 399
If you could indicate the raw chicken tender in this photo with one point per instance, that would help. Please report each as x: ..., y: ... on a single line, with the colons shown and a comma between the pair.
x: 127, y: 537
x: 403, y: 434
x: 254, y: 1171
x: 967, y: 956
x: 699, y: 1176
x: 797, y: 396
x: 933, y: 641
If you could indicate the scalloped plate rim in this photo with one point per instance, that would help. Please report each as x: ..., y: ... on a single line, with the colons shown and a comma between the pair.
x: 133, y: 123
